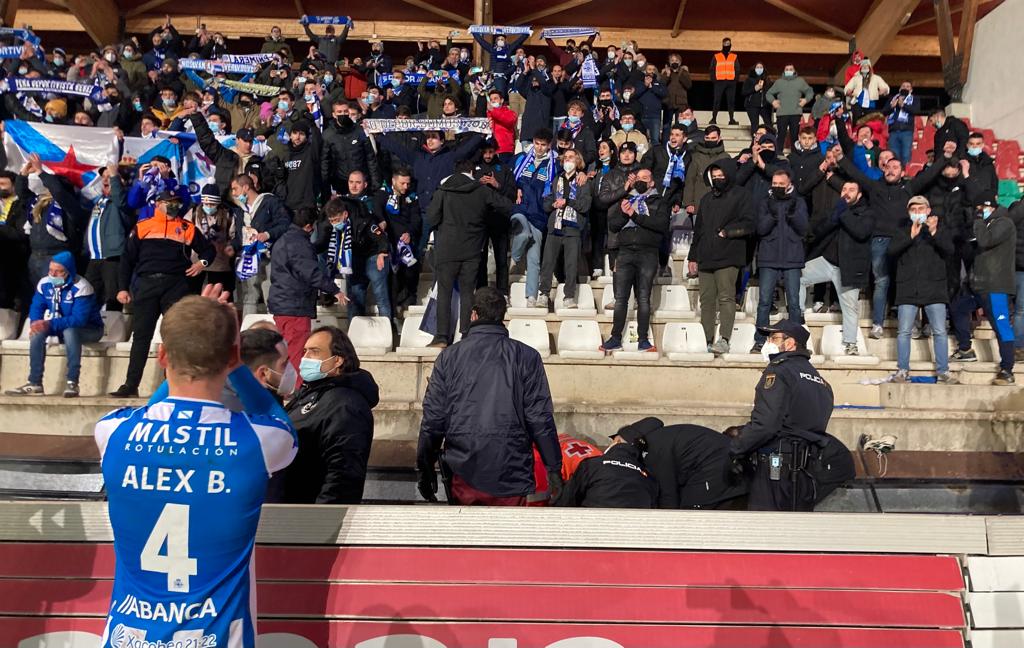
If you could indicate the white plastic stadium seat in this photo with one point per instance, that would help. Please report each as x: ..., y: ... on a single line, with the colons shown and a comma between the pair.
x: 323, y: 320
x: 630, y: 340
x: 740, y: 342
x: 8, y: 323
x: 517, y: 299
x: 674, y: 302
x: 371, y: 336
x: 414, y: 341
x: 607, y: 301
x: 684, y: 342
x: 249, y: 320
x: 22, y: 342
x: 996, y: 609
x: 832, y: 347
x: 606, y: 277
x: 580, y: 339
x: 584, y: 300
x: 531, y: 332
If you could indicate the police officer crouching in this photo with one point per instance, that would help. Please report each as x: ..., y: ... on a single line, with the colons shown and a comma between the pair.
x: 618, y: 478
x: 795, y: 462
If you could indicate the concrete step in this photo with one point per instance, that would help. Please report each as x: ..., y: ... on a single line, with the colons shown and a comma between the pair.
x: 966, y: 398
x: 396, y: 423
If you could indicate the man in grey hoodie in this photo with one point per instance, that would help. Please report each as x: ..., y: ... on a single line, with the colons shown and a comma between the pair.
x: 789, y: 94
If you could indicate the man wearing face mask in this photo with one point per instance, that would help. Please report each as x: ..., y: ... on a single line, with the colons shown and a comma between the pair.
x: 796, y: 463
x: 501, y: 56
x: 782, y: 222
x: 297, y: 173
x: 724, y: 68
x: 705, y: 153
x: 921, y: 253
x: 298, y: 278
x: 755, y: 89
x: 949, y: 129
x: 64, y: 306
x: 346, y: 149
x: 900, y: 114
x: 677, y: 86
x: 982, y: 172
x: 991, y: 285
x: 789, y: 95
x: 333, y: 417
x: 628, y: 132
x: 153, y: 272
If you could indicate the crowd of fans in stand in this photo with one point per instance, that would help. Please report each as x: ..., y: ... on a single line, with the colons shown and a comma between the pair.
x: 593, y: 152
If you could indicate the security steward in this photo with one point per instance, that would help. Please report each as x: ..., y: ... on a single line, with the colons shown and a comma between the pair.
x: 692, y: 466
x: 156, y: 261
x: 795, y: 463
x: 616, y: 479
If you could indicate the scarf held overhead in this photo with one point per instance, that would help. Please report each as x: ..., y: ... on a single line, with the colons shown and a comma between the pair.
x: 459, y: 125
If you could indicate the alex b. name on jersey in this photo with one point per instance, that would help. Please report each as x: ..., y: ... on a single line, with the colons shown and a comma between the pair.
x: 198, y: 440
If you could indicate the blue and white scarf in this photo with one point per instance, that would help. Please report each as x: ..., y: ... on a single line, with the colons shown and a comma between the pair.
x: 94, y: 236
x: 384, y: 78
x: 566, y: 216
x: 318, y: 117
x: 527, y: 165
x: 339, y: 249
x: 248, y: 59
x: 457, y: 124
x: 213, y: 67
x: 325, y: 20
x: 900, y: 114
x: 23, y: 35
x: 589, y: 72
x: 53, y: 219
x: 499, y: 29
x: 248, y: 264
x: 639, y: 204
x: 10, y: 52
x: 24, y: 85
x: 402, y: 256
x: 676, y: 168
x: 567, y: 32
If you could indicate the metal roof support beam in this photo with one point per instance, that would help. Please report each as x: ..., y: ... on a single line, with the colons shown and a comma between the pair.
x: 878, y: 30
x: 101, y: 19
x: 679, y: 19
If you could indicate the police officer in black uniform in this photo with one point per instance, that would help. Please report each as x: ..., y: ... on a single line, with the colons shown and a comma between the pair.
x: 618, y: 478
x: 692, y: 467
x: 795, y: 463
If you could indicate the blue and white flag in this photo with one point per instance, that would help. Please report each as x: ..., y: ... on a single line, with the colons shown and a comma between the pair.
x: 567, y: 32
x: 500, y: 29
x: 458, y: 124
x: 73, y: 152
x: 144, y: 150
x: 213, y: 67
x: 23, y: 35
x: 325, y: 20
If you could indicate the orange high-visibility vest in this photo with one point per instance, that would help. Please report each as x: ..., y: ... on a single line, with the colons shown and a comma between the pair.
x: 725, y: 66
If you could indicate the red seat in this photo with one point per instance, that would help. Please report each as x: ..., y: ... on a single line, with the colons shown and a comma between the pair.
x: 1008, y: 160
x: 914, y: 168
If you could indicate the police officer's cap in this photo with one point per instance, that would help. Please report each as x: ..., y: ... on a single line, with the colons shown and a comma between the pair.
x: 789, y: 328
x: 639, y: 430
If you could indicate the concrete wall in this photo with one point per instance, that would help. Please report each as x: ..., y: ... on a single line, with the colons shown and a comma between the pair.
x: 994, y: 89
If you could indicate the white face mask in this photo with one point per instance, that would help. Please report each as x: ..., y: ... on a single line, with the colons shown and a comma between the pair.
x: 289, y: 377
x: 569, y: 166
x: 768, y: 349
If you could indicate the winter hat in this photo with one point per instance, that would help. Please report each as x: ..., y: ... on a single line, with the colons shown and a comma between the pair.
x: 211, y: 194
x: 59, y: 108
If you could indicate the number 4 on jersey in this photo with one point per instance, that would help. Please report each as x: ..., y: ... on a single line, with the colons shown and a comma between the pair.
x: 171, y: 527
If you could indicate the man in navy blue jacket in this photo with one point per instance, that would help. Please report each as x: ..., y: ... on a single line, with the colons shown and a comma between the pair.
x: 64, y: 306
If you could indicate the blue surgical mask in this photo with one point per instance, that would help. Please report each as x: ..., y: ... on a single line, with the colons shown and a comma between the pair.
x: 974, y: 151
x: 309, y: 98
x: 686, y: 122
x: 339, y: 226
x: 137, y: 105
x: 573, y: 119
x: 328, y: 78
x: 169, y: 103
x: 283, y: 105
x: 918, y: 218
x: 214, y: 127
x: 57, y: 281
x: 759, y: 70
x: 58, y: 61
x: 242, y: 199
x: 987, y: 212
x: 395, y: 83
x: 48, y: 118
x: 309, y: 369
x: 209, y: 210
x: 627, y: 127
x: 789, y: 73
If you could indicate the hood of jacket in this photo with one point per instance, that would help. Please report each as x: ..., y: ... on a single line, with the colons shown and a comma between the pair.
x: 67, y: 260
x: 728, y: 167
x: 460, y: 183
x: 359, y: 381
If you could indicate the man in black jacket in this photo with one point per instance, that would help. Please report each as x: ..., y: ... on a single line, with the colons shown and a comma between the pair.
x: 639, y: 220
x: 920, y: 253
x: 488, y: 405
x: 991, y: 286
x: 888, y: 197
x: 228, y: 162
x: 796, y: 463
x: 841, y: 253
x: 691, y: 465
x: 668, y: 164
x: 500, y: 177
x: 295, y: 173
x: 948, y: 129
x: 398, y: 204
x: 982, y: 170
x: 459, y: 212
x: 346, y: 149
x: 616, y: 479
x: 615, y: 186
x: 258, y: 217
x: 354, y: 227
x: 333, y: 418
x: 724, y: 220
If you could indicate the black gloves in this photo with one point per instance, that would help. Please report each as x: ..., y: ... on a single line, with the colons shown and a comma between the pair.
x: 555, y: 484
x: 427, y: 484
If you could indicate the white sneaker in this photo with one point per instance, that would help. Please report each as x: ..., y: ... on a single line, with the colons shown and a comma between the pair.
x: 720, y: 347
x: 876, y: 332
x: 597, y: 273
x: 531, y: 302
x: 850, y: 349
x: 569, y: 302
x: 542, y: 301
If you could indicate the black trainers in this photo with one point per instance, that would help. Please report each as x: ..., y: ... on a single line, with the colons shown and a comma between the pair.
x: 611, y: 344
x: 1004, y: 378
x: 963, y: 356
x: 71, y: 390
x: 125, y: 391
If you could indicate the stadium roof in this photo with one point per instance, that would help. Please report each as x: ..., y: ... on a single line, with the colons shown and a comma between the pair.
x: 900, y: 35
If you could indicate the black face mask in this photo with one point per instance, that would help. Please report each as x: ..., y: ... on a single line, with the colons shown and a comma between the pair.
x: 904, y: 92
x: 718, y: 185
x: 767, y: 155
x: 344, y: 122
x: 778, y: 193
x: 726, y: 48
x: 172, y: 209
x: 674, y: 65
x: 604, y: 102
x: 640, y: 186
x: 5, y: 193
